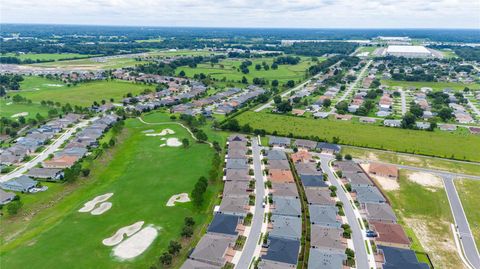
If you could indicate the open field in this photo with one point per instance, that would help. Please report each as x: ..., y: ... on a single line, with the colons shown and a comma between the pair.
x: 437, y: 143
x: 171, y: 53
x: 231, y: 73
x: 47, y: 56
x: 469, y: 193
x: 438, y: 86
x: 83, y: 94
x: 89, y: 64
x: 426, y: 217
x: 140, y: 174
x: 418, y: 161
x: 15, y: 108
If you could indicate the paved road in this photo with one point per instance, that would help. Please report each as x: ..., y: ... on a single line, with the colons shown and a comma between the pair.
x: 468, y: 243
x: 254, y: 236
x: 44, y: 154
x: 361, y: 255
x: 473, y: 107
x: 404, y: 102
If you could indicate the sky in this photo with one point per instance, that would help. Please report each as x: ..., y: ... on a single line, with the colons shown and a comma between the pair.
x: 248, y: 13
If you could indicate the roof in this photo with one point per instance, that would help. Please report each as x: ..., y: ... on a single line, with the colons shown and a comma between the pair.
x: 282, y: 250
x: 356, y: 178
x: 309, y: 168
x: 380, y: 212
x: 235, y: 188
x: 287, y: 206
x: 302, y: 143
x: 266, y: 264
x: 21, y: 183
x: 328, y: 146
x: 280, y: 175
x: 284, y: 190
x: 5, y: 196
x: 37, y: 172
x: 234, y: 205
x: 407, y: 49
x: 286, y: 227
x: 212, y: 248
x: 324, y: 215
x: 383, y: 169
x: 193, y: 264
x: 327, y: 238
x: 237, y: 164
x: 224, y: 224
x: 313, y: 181
x: 278, y: 164
x: 398, y: 258
x: 237, y: 137
x: 390, y: 233
x: 348, y: 166
x: 277, y: 140
x: 275, y: 155
x: 319, y: 196
x: 63, y: 161
x: 301, y: 156
x: 366, y: 194
x: 320, y: 259
x: 237, y: 175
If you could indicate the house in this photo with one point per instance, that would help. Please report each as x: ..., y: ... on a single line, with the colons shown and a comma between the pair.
x: 266, y: 264
x: 214, y: 249
x: 45, y: 173
x: 357, y: 179
x: 422, y: 125
x: 301, y: 156
x: 392, y: 123
x: 298, y: 112
x: 307, y: 168
x: 348, y: 166
x: 237, y: 175
x: 276, y: 155
x: 236, y: 153
x: 324, y: 215
x: 379, y: 213
x: 237, y: 206
x: 328, y: 148
x: 343, y: 117
x: 279, y: 141
x: 367, y: 120
x: 65, y: 161
x: 280, y: 176
x: 236, y: 188
x: 282, y: 250
x: 225, y: 224
x: 313, y: 181
x: 20, y: 184
x: 237, y: 164
x: 237, y: 138
x: 393, y: 257
x: 285, y: 227
x: 447, y: 127
x: 327, y: 238
x: 390, y: 234
x: 278, y: 164
x: 287, y: 206
x: 193, y: 264
x: 284, y: 190
x: 321, y: 259
x: 6, y: 197
x: 474, y: 130
x: 319, y: 197
x: 368, y: 194
x: 305, y: 144
x: 383, y: 170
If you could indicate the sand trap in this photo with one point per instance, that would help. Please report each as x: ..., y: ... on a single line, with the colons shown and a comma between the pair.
x: 118, y: 236
x: 136, y: 244
x: 19, y: 114
x: 53, y: 85
x: 104, y: 207
x: 9, y: 103
x: 148, y: 131
x: 90, y: 205
x: 426, y: 179
x: 163, y: 138
x: 180, y: 198
x: 162, y: 145
x: 162, y: 133
x: 173, y: 142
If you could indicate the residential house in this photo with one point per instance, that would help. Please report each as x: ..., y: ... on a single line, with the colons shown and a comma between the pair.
x: 301, y: 156
x: 328, y: 148
x: 280, y: 176
x: 368, y: 194
x: 275, y: 155
x: 390, y: 234
x: 327, y: 238
x: 20, y: 184
x: 45, y: 173
x: 393, y: 258
x: 324, y: 215
x: 287, y: 206
x: 379, y: 212
x: 214, y: 249
x: 237, y: 206
x: 321, y: 259
x: 319, y: 197
x: 313, y: 181
x: 383, y: 170
x: 237, y: 164
x: 279, y: 141
x: 237, y: 175
x: 305, y: 144
x: 266, y: 264
x: 236, y: 188
x: 284, y: 190
x: 392, y: 123
x: 282, y: 250
x: 285, y: 227
x: 193, y: 264
x: 6, y: 197
x: 65, y: 161
x: 278, y: 164
x: 225, y: 224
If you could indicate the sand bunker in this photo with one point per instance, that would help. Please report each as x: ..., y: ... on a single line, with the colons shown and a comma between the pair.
x: 53, y: 85
x: 162, y: 133
x: 180, y: 198
x: 162, y: 145
x: 9, y: 103
x: 173, y: 142
x: 104, y: 207
x: 118, y: 236
x: 19, y: 114
x: 90, y: 205
x: 148, y: 131
x: 136, y: 244
x: 426, y: 179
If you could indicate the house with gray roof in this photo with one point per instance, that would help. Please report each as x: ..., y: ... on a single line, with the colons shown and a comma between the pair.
x: 278, y: 164
x: 284, y: 190
x: 358, y: 179
x: 225, y: 224
x: 20, y: 184
x: 8, y: 159
x: 282, y: 250
x: 287, y: 206
x: 234, y: 205
x: 321, y: 259
x: 313, y: 181
x: 6, y: 197
x: 319, y: 196
x: 213, y: 249
x: 45, y: 173
x: 392, y: 123
x: 324, y: 215
x: 309, y: 168
x: 328, y: 148
x: 306, y: 144
x: 237, y: 164
x: 275, y: 155
x: 193, y: 264
x: 237, y: 175
x: 285, y: 227
x: 235, y: 153
x: 368, y: 194
x: 237, y: 137
x: 327, y: 238
x: 348, y: 166
x: 399, y: 258
x: 379, y: 212
x: 236, y: 188
x: 266, y: 264
x: 279, y: 141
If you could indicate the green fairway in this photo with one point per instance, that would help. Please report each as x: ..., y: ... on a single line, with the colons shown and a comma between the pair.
x: 83, y: 94
x: 469, y: 193
x: 231, y: 73
x: 47, y: 56
x: 437, y: 86
x: 143, y: 176
x: 425, y: 215
x: 7, y: 109
x: 460, y: 145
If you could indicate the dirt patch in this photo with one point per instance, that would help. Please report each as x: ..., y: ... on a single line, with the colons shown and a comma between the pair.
x: 430, y: 181
x: 104, y: 207
x: 118, y: 236
x: 137, y: 244
x: 178, y: 198
x: 90, y: 205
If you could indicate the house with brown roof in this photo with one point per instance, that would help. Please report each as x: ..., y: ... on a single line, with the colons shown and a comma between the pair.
x: 390, y: 234
x: 284, y: 190
x: 278, y: 164
x: 237, y: 175
x: 301, y: 156
x: 327, y: 238
x: 383, y: 170
x: 379, y: 212
x: 64, y: 161
x: 319, y: 196
x: 280, y: 176
x: 306, y: 144
x: 214, y: 249
x: 236, y: 188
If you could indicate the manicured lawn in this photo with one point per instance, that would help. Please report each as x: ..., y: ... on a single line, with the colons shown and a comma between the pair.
x: 89, y: 64
x: 441, y: 144
x: 438, y: 86
x: 469, y: 193
x: 143, y: 176
x: 47, y: 56
x: 83, y: 94
x: 231, y: 73
x: 426, y: 217
x: 8, y: 108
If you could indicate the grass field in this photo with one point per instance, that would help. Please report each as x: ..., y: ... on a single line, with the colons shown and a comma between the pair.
x: 143, y: 176
x: 88, y: 64
x: 469, y: 192
x: 47, y: 56
x: 440, y: 144
x: 231, y: 73
x: 438, y: 86
x: 426, y: 217
x: 7, y: 109
x: 83, y: 94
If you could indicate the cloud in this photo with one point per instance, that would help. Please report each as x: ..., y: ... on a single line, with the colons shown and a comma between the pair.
x: 249, y: 13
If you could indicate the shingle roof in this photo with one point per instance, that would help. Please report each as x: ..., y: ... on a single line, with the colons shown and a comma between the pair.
x: 284, y: 190
x: 328, y: 146
x: 319, y: 259
x: 286, y: 227
x: 234, y: 205
x: 390, y: 233
x: 282, y: 250
x: 319, y: 196
x: 356, y: 178
x: 237, y: 164
x: 302, y: 143
x: 287, y: 206
x: 235, y: 188
x: 368, y: 194
x: 313, y: 181
x: 275, y: 155
x: 212, y: 248
x: 399, y: 258
x: 278, y: 164
x: 237, y: 175
x: 266, y: 264
x: 224, y: 224
x: 380, y: 212
x: 37, y: 172
x: 280, y: 176
x: 324, y: 215
x: 193, y: 264
x: 309, y: 168
x: 277, y: 140
x: 327, y: 238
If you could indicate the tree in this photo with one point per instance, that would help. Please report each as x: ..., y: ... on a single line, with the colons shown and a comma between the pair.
x: 348, y: 157
x: 338, y: 157
x: 13, y: 207
x: 290, y: 83
x: 445, y: 113
x: 408, y: 121
x: 111, y: 142
x: 201, y: 135
x: 174, y: 247
x: 284, y: 107
x: 274, y: 83
x: 258, y: 67
x: 189, y: 221
x: 326, y: 103
x: 185, y: 142
x: 246, y: 128
x: 244, y: 80
x: 233, y: 125
x: 187, y: 231
x: 166, y: 258
x: 182, y: 73
x: 85, y: 172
